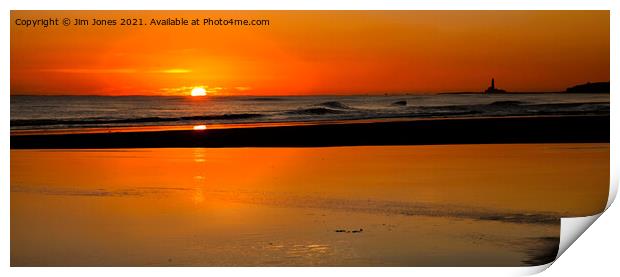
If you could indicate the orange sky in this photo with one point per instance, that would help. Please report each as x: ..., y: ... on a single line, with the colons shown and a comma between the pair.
x: 308, y: 52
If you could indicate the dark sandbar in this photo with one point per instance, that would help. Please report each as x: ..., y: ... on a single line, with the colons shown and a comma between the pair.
x: 544, y: 129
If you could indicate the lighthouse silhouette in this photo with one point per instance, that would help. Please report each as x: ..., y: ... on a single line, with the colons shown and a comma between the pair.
x: 492, y: 88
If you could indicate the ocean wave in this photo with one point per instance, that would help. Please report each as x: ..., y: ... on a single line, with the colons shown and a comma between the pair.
x: 334, y: 105
x: 98, y: 121
x: 514, y: 108
x: 399, y: 103
x: 506, y: 103
x: 324, y: 108
x: 314, y: 111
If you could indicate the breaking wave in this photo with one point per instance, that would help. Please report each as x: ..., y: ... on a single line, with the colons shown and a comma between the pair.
x: 100, y: 121
x: 334, y: 105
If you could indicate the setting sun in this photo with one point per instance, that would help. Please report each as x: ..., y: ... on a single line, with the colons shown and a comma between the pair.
x: 199, y: 91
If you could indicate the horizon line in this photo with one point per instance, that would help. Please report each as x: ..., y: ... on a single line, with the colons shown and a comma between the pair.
x: 318, y: 94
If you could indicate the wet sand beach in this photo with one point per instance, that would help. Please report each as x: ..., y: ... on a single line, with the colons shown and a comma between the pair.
x: 429, y: 205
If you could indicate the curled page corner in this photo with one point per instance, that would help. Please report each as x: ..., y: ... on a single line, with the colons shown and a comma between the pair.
x: 572, y: 228
x: 532, y: 270
x: 613, y: 188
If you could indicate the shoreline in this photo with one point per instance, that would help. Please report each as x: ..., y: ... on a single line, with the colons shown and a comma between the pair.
x: 495, y: 130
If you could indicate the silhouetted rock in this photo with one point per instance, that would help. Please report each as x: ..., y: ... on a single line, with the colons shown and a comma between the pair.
x: 599, y: 87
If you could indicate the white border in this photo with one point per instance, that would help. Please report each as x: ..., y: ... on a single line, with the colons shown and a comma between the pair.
x: 592, y: 256
x: 314, y: 5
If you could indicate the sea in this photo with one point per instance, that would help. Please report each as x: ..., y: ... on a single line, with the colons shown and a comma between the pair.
x: 68, y: 112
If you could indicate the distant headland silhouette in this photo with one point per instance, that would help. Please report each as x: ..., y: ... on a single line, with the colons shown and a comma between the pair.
x: 589, y: 87
x: 599, y: 87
